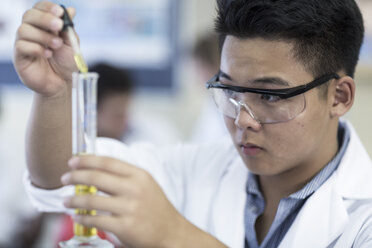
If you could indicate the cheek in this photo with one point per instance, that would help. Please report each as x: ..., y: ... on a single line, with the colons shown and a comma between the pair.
x: 230, y: 125
x: 285, y: 141
x: 314, y: 119
x: 296, y: 140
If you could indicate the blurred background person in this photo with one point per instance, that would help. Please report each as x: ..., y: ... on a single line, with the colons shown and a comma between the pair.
x: 114, y: 93
x: 206, y: 60
x: 115, y: 117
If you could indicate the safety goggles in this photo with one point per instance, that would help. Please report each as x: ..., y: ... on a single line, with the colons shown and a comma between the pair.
x: 264, y: 105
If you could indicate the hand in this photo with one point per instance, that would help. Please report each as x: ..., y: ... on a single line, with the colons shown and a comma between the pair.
x: 139, y: 213
x: 43, y: 59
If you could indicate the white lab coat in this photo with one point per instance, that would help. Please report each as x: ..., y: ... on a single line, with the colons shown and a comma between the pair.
x: 207, y: 185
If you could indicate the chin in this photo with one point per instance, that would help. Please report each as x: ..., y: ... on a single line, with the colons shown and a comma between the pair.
x: 259, y: 166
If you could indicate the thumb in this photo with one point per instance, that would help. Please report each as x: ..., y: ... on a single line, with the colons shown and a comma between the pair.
x: 71, y: 12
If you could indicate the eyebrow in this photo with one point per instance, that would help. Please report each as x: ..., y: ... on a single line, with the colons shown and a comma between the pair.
x: 266, y: 80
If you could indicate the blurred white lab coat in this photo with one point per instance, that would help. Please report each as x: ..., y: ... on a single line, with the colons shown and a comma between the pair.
x: 207, y: 185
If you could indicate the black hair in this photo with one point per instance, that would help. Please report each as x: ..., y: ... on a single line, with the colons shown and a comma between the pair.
x: 111, y: 80
x: 327, y: 34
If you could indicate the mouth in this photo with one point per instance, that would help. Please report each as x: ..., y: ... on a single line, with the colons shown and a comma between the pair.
x: 250, y: 149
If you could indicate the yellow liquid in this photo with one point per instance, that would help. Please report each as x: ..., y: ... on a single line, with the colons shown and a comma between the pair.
x: 80, y: 230
x: 80, y: 63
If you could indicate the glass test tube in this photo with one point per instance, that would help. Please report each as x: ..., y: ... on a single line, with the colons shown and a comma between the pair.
x: 84, y: 97
x: 84, y: 133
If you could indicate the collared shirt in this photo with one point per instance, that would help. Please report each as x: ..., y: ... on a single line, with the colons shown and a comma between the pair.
x: 288, y: 207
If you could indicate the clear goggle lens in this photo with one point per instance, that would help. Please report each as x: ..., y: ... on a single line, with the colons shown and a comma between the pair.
x: 264, y: 108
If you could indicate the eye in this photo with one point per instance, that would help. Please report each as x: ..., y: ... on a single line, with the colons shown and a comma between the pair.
x: 270, y: 98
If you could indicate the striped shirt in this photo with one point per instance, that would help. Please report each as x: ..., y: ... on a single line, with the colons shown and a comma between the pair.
x: 288, y: 207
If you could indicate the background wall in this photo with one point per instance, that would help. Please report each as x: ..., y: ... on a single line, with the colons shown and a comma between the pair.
x: 361, y: 113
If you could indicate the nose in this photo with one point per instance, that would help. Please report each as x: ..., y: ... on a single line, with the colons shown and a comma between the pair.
x: 246, y: 119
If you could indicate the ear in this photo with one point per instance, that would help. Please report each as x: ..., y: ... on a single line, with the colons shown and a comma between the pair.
x: 343, y: 95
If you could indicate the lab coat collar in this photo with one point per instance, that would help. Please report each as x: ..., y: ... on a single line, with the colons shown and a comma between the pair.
x: 320, y: 221
x: 228, y: 214
x: 355, y: 164
x: 324, y: 216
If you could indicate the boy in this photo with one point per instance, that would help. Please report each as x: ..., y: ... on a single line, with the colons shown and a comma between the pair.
x: 293, y: 175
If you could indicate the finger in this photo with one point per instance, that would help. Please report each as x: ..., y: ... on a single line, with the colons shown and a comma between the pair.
x: 108, y: 204
x: 30, y: 33
x: 50, y: 7
x: 101, y: 222
x: 55, y: 9
x: 43, y: 20
x: 58, y: 11
x: 105, y: 182
x: 71, y: 12
x: 24, y: 49
x: 107, y: 164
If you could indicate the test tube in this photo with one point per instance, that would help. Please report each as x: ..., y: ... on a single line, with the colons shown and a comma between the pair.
x: 84, y: 97
x: 84, y: 126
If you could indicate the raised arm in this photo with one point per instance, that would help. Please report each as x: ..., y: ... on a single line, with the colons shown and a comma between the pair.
x: 139, y: 213
x: 44, y: 62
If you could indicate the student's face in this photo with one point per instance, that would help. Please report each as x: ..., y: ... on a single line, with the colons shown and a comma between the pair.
x: 112, y: 116
x: 271, y: 149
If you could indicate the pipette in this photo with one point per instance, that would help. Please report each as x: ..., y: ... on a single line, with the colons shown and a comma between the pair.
x: 68, y: 27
